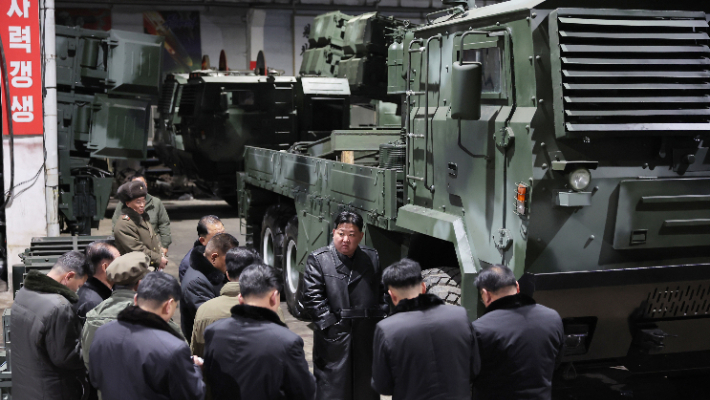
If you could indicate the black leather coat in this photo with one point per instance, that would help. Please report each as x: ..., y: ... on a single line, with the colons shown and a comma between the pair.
x: 342, y: 346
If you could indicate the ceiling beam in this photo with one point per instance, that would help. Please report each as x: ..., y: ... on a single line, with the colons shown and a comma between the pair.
x: 243, y: 5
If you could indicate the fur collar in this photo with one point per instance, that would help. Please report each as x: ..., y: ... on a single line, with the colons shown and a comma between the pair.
x: 39, y: 282
x: 133, y: 215
x: 200, y: 263
x: 99, y: 287
x: 256, y: 313
x: 510, y: 302
x: 137, y: 316
x: 420, y: 303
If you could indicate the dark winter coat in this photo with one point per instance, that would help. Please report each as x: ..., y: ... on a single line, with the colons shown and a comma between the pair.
x: 91, y: 294
x: 133, y: 232
x: 202, y: 282
x: 342, y: 347
x: 185, y: 263
x: 519, y: 342
x: 254, y: 356
x: 46, y: 354
x: 140, y: 356
x: 426, y: 350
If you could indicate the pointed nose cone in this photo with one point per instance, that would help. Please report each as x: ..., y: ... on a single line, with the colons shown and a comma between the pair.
x: 206, y: 62
x: 223, y: 61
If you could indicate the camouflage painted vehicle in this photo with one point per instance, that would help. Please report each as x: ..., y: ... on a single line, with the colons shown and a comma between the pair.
x: 567, y: 143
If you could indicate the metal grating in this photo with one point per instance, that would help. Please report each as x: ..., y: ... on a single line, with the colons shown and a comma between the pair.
x: 634, y: 71
x: 678, y: 301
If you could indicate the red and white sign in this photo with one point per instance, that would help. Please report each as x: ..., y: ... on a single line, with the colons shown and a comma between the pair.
x: 21, y: 40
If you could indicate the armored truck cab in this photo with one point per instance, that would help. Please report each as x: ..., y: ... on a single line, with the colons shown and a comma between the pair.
x: 567, y: 143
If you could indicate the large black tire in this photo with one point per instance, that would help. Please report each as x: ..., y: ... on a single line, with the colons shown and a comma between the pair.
x: 444, y: 282
x: 291, y: 276
x: 272, y: 235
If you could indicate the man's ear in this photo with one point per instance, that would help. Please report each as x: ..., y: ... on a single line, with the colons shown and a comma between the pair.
x: 69, y: 275
x: 167, y: 305
x: 135, y: 299
x: 393, y: 296
x: 275, y: 298
x: 240, y: 298
x: 214, y: 256
x: 423, y: 287
x: 517, y: 287
x: 202, y: 240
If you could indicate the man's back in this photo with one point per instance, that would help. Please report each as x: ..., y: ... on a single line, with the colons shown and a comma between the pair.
x: 202, y: 282
x: 104, y: 313
x: 253, y: 355
x: 46, y: 361
x: 426, y: 350
x: 519, y: 343
x: 142, y: 360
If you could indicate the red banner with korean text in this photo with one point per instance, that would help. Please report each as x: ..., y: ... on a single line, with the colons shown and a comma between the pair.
x: 21, y: 40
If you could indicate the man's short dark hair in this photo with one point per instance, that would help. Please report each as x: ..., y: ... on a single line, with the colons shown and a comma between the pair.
x: 96, y: 252
x: 136, y: 176
x: 349, y: 217
x: 239, y: 258
x: 403, y: 274
x: 73, y: 261
x: 158, y: 287
x: 221, y: 243
x: 495, y: 278
x: 258, y: 279
x: 205, y: 223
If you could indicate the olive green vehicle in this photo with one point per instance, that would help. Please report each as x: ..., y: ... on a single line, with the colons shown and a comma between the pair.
x: 567, y: 143
x: 106, y: 84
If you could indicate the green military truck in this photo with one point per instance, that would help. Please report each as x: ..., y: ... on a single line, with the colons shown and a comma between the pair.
x: 106, y: 84
x: 567, y: 143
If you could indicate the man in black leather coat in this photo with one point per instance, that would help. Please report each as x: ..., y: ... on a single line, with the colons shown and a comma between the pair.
x: 342, y: 294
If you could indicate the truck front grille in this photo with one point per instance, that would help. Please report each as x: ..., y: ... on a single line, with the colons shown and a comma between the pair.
x: 629, y: 71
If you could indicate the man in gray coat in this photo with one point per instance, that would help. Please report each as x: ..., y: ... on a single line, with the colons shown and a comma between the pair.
x: 46, y: 355
x: 140, y: 356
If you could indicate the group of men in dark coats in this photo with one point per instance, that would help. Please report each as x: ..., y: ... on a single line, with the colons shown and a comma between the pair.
x: 423, y: 348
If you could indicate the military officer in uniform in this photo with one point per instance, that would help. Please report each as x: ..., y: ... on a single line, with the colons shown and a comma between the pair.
x: 133, y: 230
x: 343, y: 295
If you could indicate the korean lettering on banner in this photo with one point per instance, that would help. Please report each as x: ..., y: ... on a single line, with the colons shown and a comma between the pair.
x: 21, y: 40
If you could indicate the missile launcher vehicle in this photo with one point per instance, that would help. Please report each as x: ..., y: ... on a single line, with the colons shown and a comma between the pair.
x: 568, y: 143
x: 106, y: 84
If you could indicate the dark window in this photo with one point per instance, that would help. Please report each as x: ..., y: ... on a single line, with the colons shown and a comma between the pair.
x: 492, y: 67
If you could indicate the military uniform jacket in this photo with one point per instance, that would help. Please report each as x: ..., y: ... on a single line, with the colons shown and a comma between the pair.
x: 134, y: 232
x: 158, y: 218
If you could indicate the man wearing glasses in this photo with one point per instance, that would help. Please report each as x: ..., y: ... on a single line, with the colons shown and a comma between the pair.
x: 343, y: 295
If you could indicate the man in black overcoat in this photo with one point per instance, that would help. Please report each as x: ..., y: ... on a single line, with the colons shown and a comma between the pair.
x: 343, y: 295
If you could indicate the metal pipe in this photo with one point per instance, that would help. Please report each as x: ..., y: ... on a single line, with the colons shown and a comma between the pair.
x: 50, y: 119
x: 426, y: 108
x: 408, y: 90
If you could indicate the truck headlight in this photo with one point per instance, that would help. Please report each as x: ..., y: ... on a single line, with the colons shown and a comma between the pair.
x: 579, y: 179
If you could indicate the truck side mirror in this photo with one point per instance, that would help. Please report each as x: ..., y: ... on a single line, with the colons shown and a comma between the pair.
x: 466, y: 80
x: 224, y: 100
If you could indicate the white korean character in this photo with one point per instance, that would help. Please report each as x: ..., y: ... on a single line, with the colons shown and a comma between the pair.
x: 15, y: 9
x: 20, y: 38
x: 22, y: 112
x: 21, y: 74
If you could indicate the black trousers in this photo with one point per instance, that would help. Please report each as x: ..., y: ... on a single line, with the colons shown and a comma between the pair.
x: 342, y: 360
